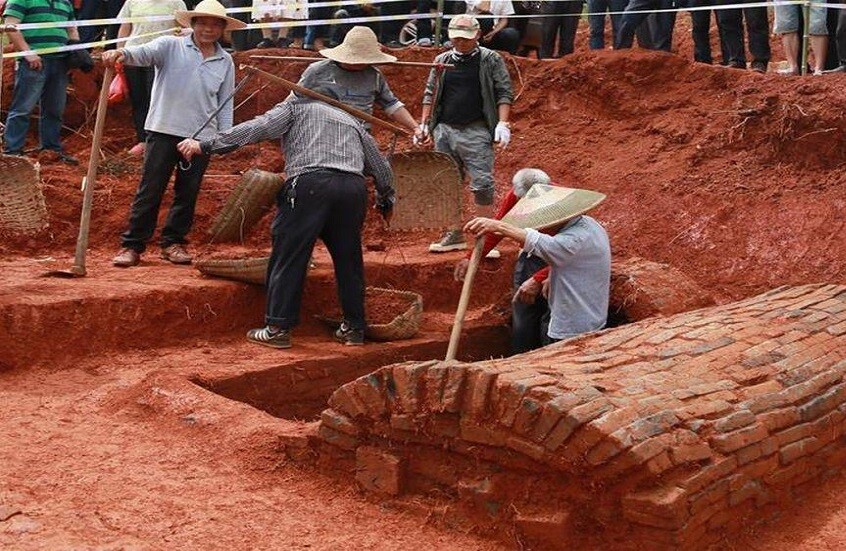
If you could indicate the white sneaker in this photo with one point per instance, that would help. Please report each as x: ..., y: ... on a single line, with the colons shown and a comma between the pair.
x: 424, y: 42
x: 452, y: 240
x: 493, y: 254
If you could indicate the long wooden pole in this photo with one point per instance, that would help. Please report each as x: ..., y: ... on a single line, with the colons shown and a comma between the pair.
x: 464, y: 300
x: 313, y: 59
x: 90, y: 182
x: 333, y: 102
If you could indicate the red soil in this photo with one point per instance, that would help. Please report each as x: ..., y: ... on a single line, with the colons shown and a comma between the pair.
x: 731, y: 177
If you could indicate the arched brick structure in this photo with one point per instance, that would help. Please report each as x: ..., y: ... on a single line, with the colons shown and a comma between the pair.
x: 674, y: 430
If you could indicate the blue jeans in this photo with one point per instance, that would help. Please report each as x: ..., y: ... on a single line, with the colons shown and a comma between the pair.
x: 47, y: 88
x: 597, y: 22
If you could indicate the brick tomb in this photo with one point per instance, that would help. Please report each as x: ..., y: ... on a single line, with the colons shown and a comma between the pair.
x: 671, y: 432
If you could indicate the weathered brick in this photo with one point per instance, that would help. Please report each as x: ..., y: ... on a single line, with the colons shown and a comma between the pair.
x: 406, y: 383
x: 527, y: 414
x: 761, y: 467
x: 734, y: 421
x: 705, y: 409
x: 715, y: 492
x: 645, y: 451
x: 379, y: 471
x: 335, y: 438
x: 814, y: 385
x: 403, y: 422
x: 339, y: 422
x: 371, y: 392
x: 659, y: 464
x: 474, y: 432
x: 721, y: 467
x: 768, y: 387
x: 602, y: 452
x: 792, y: 452
x: 794, y: 434
x: 779, y: 418
x: 749, y: 453
x: 575, y: 418
x: 433, y: 386
x: 445, y: 424
x: 510, y: 394
x: 453, y: 389
x: 654, y: 507
x: 823, y: 404
x: 525, y: 447
x: 552, y: 412
x: 729, y: 442
x: 594, y: 431
x: 344, y: 401
x: 478, y: 389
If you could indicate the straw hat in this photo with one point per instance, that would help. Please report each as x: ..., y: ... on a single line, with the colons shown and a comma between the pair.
x: 463, y: 26
x: 359, y: 47
x: 547, y: 206
x: 208, y: 8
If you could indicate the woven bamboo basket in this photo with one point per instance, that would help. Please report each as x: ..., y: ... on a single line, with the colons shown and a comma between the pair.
x: 22, y: 206
x: 405, y: 325
x: 247, y: 270
x: 251, y: 199
x: 428, y: 185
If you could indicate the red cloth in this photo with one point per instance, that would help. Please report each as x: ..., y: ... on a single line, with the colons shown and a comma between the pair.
x: 491, y: 240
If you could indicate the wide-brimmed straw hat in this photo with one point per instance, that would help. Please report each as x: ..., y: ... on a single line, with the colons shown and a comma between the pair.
x: 208, y: 8
x: 360, y: 47
x: 463, y: 26
x: 546, y: 206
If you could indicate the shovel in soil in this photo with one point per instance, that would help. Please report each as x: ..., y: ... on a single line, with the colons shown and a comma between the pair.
x: 88, y: 183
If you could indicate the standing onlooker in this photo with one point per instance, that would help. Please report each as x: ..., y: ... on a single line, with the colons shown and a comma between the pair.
x: 757, y: 29
x: 339, y: 30
x: 635, y: 14
x: 270, y: 11
x: 496, y: 34
x: 596, y: 21
x: 467, y: 109
x: 39, y: 79
x: 97, y: 9
x: 787, y: 25
x: 327, y: 155
x: 840, y: 38
x: 140, y: 79
x: 194, y: 80
x: 560, y: 22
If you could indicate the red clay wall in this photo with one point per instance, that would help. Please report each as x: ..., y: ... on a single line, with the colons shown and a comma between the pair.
x: 670, y: 431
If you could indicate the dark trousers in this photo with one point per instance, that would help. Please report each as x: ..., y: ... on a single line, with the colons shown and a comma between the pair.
x: 597, y: 22
x: 840, y: 36
x: 329, y: 205
x: 340, y: 30
x: 507, y: 40
x: 529, y: 322
x: 662, y: 35
x: 140, y: 81
x: 160, y: 159
x: 561, y: 29
x: 98, y: 9
x: 757, y: 27
x: 391, y: 28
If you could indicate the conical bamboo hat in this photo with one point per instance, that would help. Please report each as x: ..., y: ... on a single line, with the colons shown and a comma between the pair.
x: 546, y: 206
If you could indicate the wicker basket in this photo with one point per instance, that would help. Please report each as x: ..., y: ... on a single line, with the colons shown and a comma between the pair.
x: 251, y: 199
x: 428, y: 185
x: 22, y: 207
x: 404, y: 326
x: 247, y: 270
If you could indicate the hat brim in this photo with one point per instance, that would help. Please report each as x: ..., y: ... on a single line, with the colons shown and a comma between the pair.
x: 184, y: 17
x: 546, y: 206
x: 342, y: 54
x: 462, y: 33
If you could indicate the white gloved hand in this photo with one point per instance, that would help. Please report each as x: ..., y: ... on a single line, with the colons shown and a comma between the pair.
x: 421, y: 135
x: 502, y: 134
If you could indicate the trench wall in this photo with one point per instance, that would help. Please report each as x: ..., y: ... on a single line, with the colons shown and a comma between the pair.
x: 674, y: 431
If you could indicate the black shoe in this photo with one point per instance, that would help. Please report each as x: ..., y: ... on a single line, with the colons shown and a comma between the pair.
x: 68, y: 159
x: 349, y: 336
x: 841, y: 69
x: 284, y: 42
x: 266, y: 43
x: 395, y: 45
x: 759, y: 66
x: 15, y: 153
x: 272, y: 337
x: 736, y: 65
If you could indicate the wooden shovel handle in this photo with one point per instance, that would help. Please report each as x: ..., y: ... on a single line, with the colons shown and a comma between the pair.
x: 464, y: 300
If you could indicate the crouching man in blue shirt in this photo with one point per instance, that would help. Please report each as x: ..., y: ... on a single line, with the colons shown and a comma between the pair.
x: 579, y: 255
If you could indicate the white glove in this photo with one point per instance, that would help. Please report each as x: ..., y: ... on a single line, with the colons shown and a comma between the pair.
x: 423, y: 137
x: 502, y: 134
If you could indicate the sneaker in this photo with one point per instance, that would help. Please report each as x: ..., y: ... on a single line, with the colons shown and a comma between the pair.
x: 126, y: 258
x: 759, y: 66
x: 452, y: 240
x: 788, y: 71
x: 424, y: 42
x: 818, y: 73
x: 840, y: 69
x: 395, y: 45
x: 309, y: 47
x: 493, y: 254
x: 349, y: 336
x: 266, y: 43
x: 137, y: 150
x: 176, y: 254
x: 273, y: 337
x: 284, y: 42
x: 736, y: 65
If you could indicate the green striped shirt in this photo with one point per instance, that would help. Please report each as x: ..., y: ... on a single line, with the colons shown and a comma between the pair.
x: 42, y: 11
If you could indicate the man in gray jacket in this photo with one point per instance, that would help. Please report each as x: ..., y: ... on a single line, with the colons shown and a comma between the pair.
x: 466, y: 109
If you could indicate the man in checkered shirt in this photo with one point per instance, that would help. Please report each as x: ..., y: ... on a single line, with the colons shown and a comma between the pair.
x: 327, y: 155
